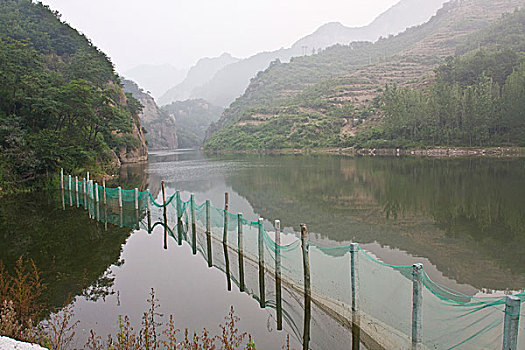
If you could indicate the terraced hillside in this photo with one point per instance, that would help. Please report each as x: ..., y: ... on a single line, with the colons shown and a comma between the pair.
x: 318, y: 100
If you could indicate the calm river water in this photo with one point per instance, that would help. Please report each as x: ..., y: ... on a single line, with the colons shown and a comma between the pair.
x: 464, y: 219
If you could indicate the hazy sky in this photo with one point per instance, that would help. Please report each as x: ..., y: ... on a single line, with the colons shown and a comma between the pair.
x: 178, y: 32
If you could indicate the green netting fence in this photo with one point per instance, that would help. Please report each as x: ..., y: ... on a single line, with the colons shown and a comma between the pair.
x: 348, y: 292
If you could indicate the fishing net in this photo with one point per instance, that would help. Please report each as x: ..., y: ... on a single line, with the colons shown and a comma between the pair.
x: 349, y: 286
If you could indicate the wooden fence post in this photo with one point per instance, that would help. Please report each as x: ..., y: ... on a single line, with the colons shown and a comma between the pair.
x: 307, y: 287
x: 193, y: 225
x: 225, y: 241
x: 120, y: 197
x: 356, y: 330
x: 417, y: 305
x: 61, y: 178
x: 354, y: 250
x: 511, y: 323
x: 179, y: 218
x: 76, y: 192
x: 279, y: 305
x: 225, y: 231
x: 97, y: 207
x: 208, y: 234
x: 262, y: 293
x: 163, y: 193
x: 84, y: 186
x: 164, y: 214
x: 104, y: 189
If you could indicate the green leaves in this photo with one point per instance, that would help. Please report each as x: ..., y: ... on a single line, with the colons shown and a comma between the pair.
x: 61, y: 103
x: 464, y: 107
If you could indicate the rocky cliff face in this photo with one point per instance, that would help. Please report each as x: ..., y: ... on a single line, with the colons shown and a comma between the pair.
x: 134, y: 149
x: 161, y: 130
x: 133, y: 154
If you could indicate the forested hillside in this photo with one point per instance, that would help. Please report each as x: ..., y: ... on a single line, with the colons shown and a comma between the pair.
x: 477, y: 100
x: 333, y: 98
x: 61, y: 103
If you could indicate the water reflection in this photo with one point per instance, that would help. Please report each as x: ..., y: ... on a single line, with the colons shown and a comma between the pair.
x: 463, y: 218
x: 72, y: 251
x: 267, y: 295
x: 466, y: 216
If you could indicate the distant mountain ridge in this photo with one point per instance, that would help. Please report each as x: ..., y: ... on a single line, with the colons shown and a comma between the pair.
x: 404, y: 14
x: 198, y: 75
x: 156, y: 79
x: 229, y: 82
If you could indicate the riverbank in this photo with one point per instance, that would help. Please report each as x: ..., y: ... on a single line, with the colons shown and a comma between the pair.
x: 440, y: 152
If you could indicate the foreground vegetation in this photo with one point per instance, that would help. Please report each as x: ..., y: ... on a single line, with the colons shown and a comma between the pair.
x: 61, y: 103
x: 22, y: 317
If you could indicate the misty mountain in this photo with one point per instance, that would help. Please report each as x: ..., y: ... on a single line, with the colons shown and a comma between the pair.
x: 319, y: 100
x: 156, y: 79
x: 193, y: 117
x: 198, y: 75
x: 231, y: 81
x: 161, y: 129
x: 404, y: 14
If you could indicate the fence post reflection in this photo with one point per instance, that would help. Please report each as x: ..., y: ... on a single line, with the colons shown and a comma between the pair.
x: 227, y: 264
x: 240, y: 245
x: 208, y: 234
x: 356, y: 335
